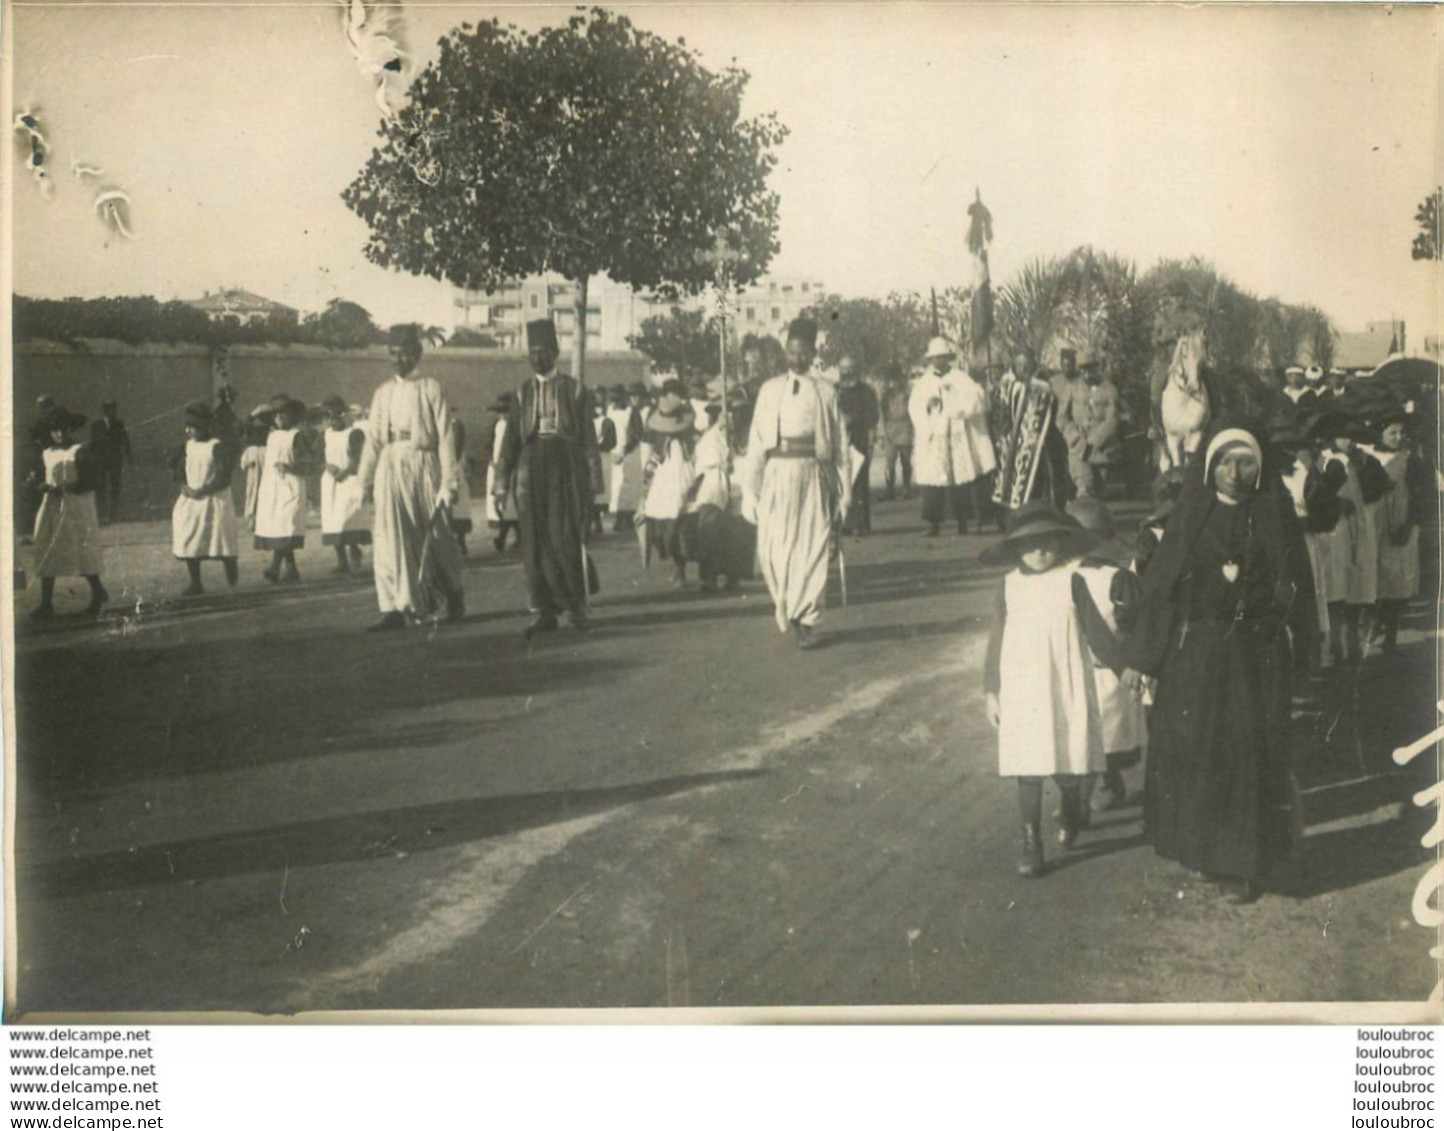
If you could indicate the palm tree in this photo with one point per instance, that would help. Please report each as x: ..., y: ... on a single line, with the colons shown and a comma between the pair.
x: 1030, y: 307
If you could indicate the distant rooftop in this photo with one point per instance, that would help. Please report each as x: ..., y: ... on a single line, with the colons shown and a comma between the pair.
x: 235, y: 300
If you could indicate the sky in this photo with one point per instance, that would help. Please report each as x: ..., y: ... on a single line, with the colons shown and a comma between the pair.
x: 1290, y: 145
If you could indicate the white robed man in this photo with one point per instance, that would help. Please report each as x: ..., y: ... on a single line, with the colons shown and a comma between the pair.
x: 411, y: 475
x: 952, y: 451
x: 798, y: 471
x: 549, y: 458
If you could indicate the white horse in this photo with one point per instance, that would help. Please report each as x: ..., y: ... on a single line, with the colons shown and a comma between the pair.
x: 1183, y: 404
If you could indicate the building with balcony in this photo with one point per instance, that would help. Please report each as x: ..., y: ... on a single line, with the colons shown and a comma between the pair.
x: 614, y: 312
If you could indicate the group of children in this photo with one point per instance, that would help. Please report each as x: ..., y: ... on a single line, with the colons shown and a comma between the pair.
x: 1360, y: 493
x: 1055, y: 665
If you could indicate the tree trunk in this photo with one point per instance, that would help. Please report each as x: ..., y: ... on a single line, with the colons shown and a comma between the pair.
x: 579, y: 339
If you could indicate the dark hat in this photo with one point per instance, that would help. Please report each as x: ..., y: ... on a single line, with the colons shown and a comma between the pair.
x: 292, y: 407
x: 58, y: 418
x: 405, y: 334
x: 1393, y: 416
x: 200, y: 414
x: 279, y: 401
x: 1328, y: 426
x: 618, y: 390
x: 1031, y: 521
x: 804, y: 330
x: 334, y: 404
x: 541, y: 332
x: 673, y: 386
x: 639, y: 389
x: 1067, y: 351
x: 673, y: 414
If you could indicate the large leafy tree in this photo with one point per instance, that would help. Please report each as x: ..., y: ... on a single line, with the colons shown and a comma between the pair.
x: 683, y: 342
x: 343, y: 325
x: 884, y: 337
x: 1429, y: 243
x: 594, y: 147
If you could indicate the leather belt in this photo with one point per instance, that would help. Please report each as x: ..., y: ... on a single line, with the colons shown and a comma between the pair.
x: 794, y: 449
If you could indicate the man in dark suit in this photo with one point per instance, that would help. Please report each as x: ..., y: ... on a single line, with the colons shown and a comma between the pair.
x: 549, y: 459
x: 110, y: 448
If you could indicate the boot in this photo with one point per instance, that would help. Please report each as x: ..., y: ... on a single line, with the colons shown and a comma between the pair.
x: 1031, y: 863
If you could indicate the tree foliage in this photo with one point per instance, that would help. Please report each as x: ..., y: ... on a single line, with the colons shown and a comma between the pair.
x: 342, y: 325
x: 1429, y: 243
x: 883, y: 337
x: 137, y: 319
x: 683, y: 342
x: 594, y: 147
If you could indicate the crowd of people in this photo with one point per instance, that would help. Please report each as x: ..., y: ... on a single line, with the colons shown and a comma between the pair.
x: 1287, y: 546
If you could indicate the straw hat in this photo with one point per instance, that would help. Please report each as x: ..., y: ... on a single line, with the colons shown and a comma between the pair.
x: 939, y: 347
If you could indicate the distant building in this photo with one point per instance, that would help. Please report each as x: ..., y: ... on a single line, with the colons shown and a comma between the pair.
x: 233, y: 302
x: 614, y: 312
x: 768, y: 306
x: 1367, y: 349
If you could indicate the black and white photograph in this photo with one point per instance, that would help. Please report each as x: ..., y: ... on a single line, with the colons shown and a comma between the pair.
x: 722, y: 510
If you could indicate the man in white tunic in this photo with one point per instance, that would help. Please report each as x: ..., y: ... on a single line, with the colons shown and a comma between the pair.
x: 412, y: 476
x: 797, y: 470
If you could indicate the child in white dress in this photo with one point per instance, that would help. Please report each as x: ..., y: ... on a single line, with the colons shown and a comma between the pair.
x: 281, y: 504
x: 203, y: 521
x: 1038, y: 678
x: 345, y: 525
x: 67, y: 527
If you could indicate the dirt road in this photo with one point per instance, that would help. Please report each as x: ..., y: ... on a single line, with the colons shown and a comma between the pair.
x: 246, y: 803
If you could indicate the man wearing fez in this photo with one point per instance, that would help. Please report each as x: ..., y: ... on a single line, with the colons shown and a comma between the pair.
x: 797, y: 470
x: 549, y: 459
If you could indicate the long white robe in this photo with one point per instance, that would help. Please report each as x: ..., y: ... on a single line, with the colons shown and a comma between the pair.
x: 204, y: 528
x: 951, y: 444
x: 416, y: 559
x: 798, y: 500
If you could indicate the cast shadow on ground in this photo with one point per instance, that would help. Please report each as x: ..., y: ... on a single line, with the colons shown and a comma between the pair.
x: 1333, y: 862
x: 163, y: 710
x: 344, y: 839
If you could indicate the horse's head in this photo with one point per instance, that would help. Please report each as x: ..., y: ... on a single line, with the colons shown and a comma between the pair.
x: 1188, y: 355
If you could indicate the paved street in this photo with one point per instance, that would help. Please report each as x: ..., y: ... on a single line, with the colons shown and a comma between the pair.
x: 243, y: 802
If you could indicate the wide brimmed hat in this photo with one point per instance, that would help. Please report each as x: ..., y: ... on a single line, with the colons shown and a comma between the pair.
x: 939, y: 347
x: 1328, y: 426
x: 1036, y: 520
x: 58, y: 418
x: 672, y: 415
x: 292, y: 407
x: 200, y: 414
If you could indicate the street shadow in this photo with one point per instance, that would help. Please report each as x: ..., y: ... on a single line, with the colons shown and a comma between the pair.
x: 90, y: 719
x: 1087, y: 851
x: 355, y: 837
x: 1333, y: 862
